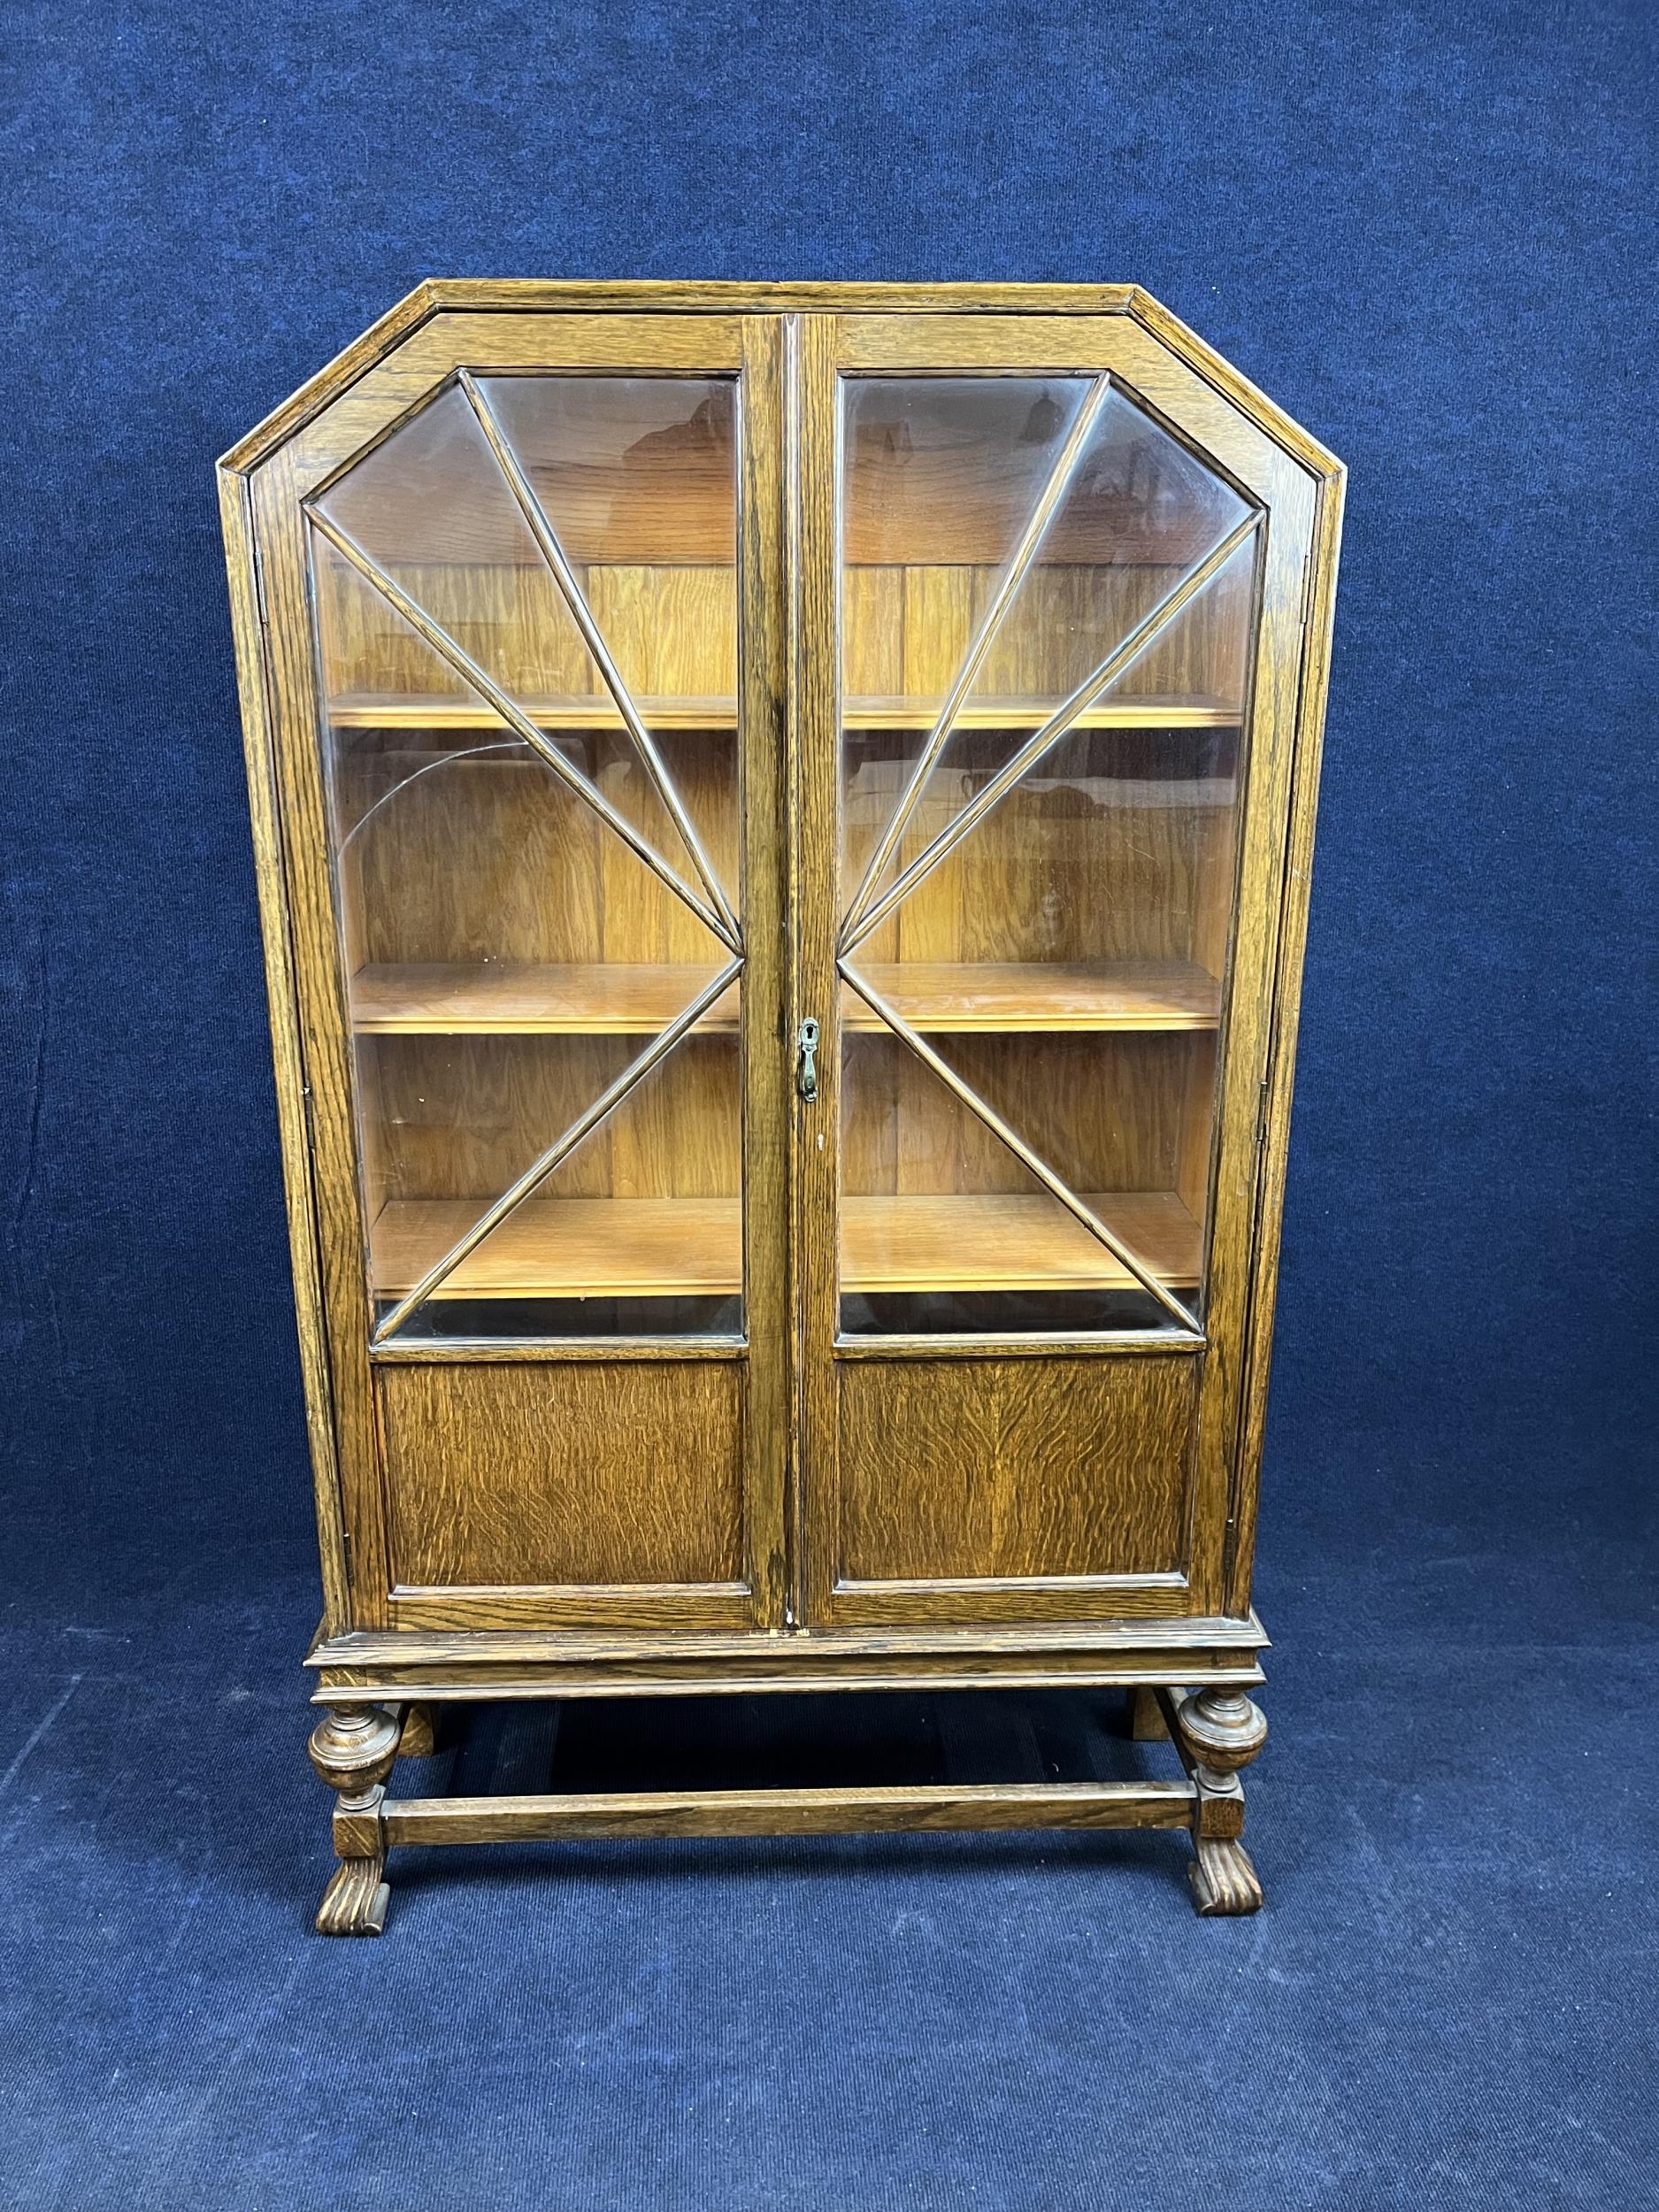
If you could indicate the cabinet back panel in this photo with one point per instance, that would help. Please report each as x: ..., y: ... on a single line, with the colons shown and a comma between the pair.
x: 955, y: 1469
x: 906, y: 629
x: 1120, y: 850
x: 619, y: 1473
x: 672, y: 630
x: 471, y: 857
x: 1105, y: 1112
x: 464, y: 1116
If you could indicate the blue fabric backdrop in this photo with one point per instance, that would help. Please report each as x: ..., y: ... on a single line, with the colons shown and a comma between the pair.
x: 1430, y: 231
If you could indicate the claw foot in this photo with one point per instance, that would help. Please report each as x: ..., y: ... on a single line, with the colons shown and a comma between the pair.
x: 355, y: 1902
x: 1223, y: 1878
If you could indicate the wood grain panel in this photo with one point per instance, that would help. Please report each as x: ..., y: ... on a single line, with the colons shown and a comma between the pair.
x: 904, y: 631
x: 610, y: 1474
x: 511, y: 620
x: 1120, y: 848
x: 959, y: 1470
x: 455, y: 850
x: 672, y: 631
x: 953, y: 482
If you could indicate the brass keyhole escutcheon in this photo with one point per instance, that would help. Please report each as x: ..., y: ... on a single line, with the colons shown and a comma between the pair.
x: 806, y: 1060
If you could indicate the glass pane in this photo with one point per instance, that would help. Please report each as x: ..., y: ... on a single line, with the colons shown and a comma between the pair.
x: 944, y: 1229
x: 433, y: 508
x: 941, y: 478
x: 1116, y: 519
x: 1055, y: 914
x: 521, y: 911
x: 637, y: 1232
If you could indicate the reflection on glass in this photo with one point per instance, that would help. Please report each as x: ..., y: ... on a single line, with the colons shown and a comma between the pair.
x: 1039, y: 827
x: 525, y: 613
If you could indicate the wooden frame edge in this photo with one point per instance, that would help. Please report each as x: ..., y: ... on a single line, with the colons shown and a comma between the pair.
x: 918, y: 1808
x: 767, y: 1094
x: 434, y: 296
x: 1191, y: 1638
x: 1317, y: 632
x: 282, y: 988
x: 527, y: 295
x: 318, y: 391
x: 483, y: 1685
x: 1216, y: 371
x: 783, y: 295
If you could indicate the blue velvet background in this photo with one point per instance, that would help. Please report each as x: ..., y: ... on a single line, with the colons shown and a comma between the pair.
x: 1430, y: 231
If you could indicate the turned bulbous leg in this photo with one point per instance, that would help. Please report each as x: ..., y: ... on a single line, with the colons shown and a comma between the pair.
x: 1221, y: 1730
x: 353, y: 1750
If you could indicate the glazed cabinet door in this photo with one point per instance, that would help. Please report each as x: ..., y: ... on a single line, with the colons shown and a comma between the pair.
x: 525, y: 595
x: 1051, y: 602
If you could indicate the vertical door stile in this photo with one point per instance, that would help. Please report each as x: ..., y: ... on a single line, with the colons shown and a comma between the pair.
x: 324, y: 1032
x: 815, y: 729
x: 764, y: 633
x: 1240, y: 1150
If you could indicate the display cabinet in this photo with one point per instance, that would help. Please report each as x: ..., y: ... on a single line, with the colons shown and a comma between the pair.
x: 783, y: 818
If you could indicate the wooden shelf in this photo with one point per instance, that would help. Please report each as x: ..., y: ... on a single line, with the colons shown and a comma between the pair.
x: 451, y: 711
x: 566, y: 1247
x: 1012, y: 1242
x: 1024, y: 996
x: 1030, y: 714
x: 631, y: 1248
x: 506, y: 998
x: 448, y: 710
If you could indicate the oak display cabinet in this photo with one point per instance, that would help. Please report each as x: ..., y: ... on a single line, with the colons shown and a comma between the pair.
x: 783, y: 818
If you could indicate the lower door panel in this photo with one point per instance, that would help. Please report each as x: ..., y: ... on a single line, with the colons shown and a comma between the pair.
x: 566, y: 1493
x: 1010, y: 1489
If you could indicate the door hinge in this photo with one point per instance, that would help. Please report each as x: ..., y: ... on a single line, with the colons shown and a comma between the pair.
x: 806, y: 1060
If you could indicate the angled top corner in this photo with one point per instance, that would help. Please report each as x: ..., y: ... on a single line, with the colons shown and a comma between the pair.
x: 363, y: 354
x: 1161, y: 324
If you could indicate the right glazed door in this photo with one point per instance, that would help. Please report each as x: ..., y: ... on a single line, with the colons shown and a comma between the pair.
x: 1051, y: 593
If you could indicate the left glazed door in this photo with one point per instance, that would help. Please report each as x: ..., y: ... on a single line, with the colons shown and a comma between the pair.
x: 522, y: 594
